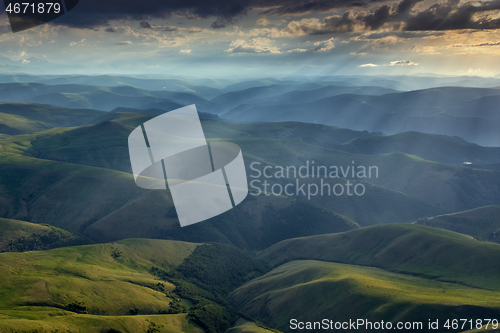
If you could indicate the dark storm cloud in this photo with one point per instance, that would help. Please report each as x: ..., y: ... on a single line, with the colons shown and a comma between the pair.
x: 479, y: 45
x: 452, y: 16
x: 380, y: 17
x: 169, y: 28
x: 96, y: 13
x: 344, y: 23
x: 284, y: 7
x: 441, y: 16
x: 372, y: 15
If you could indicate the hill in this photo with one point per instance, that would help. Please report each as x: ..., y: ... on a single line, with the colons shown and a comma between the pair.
x: 20, y: 236
x: 434, y: 111
x: 98, y: 285
x: 105, y: 145
x: 439, y: 148
x: 411, y: 249
x: 204, y: 89
x: 18, y: 119
x: 287, y: 93
x: 98, y: 97
x: 107, y: 205
x: 293, y: 144
x: 310, y: 291
x: 483, y: 222
x: 146, y: 285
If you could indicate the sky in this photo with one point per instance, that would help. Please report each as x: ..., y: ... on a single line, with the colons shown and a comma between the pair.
x: 243, y: 38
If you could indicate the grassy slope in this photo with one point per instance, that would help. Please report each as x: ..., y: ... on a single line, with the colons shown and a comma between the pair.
x: 104, y: 145
x: 311, y: 290
x: 60, y: 321
x: 81, y: 196
x: 414, y: 249
x: 29, y: 118
x: 35, y: 284
x: 12, y: 230
x: 262, y: 221
x: 483, y: 222
x: 76, y: 193
x: 17, y: 236
x: 450, y: 188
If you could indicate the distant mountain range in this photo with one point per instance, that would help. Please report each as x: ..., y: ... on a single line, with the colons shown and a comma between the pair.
x: 358, y: 103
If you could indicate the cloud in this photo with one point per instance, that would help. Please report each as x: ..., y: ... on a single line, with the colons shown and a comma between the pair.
x: 298, y: 7
x: 480, y: 45
x: 324, y: 45
x: 254, y: 45
x: 185, y: 51
x: 127, y: 42
x: 263, y: 22
x: 451, y: 15
x: 96, y: 13
x: 146, y: 25
x: 380, y: 43
x: 368, y: 65
x: 297, y: 50
x: 403, y: 63
x: 401, y: 17
x: 77, y: 43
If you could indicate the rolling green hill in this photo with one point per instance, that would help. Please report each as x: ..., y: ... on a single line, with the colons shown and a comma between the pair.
x: 483, y: 222
x: 105, y: 145
x: 107, y: 205
x: 205, y: 89
x: 25, y: 118
x: 391, y: 272
x: 99, y: 97
x: 20, y: 236
x: 135, y: 285
x: 411, y: 249
x: 425, y: 183
x: 81, y: 284
x: 310, y: 291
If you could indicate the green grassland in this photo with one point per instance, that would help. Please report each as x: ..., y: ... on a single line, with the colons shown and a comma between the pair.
x: 483, y: 222
x: 41, y: 320
x: 412, y: 249
x: 134, y: 285
x: 309, y: 290
x: 449, y: 188
x: 104, y: 145
x: 20, y: 236
x: 262, y: 221
x: 68, y: 287
x: 11, y: 230
x: 22, y: 118
x: 106, y: 205
x: 109, y: 279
